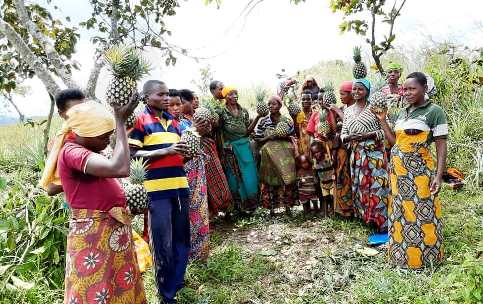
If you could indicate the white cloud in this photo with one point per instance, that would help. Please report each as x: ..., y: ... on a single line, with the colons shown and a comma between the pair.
x: 276, y: 34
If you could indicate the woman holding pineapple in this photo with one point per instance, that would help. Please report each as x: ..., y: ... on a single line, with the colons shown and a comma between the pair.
x: 416, y: 237
x: 370, y: 180
x: 343, y: 184
x: 277, y: 162
x: 241, y: 169
x: 101, y: 263
x: 196, y: 173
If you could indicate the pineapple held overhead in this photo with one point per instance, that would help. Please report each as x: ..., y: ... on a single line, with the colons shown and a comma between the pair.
x: 127, y: 67
x: 359, y: 70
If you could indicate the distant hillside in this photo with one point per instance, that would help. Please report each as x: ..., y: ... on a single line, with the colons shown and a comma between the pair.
x: 7, y: 120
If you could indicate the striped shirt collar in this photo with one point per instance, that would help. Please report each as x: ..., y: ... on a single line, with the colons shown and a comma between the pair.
x: 165, y: 115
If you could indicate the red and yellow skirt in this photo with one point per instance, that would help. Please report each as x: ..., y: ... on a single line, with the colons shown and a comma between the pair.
x: 101, y: 264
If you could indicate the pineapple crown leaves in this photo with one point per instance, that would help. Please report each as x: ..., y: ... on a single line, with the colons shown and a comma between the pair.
x: 138, y: 170
x: 126, y: 61
x: 357, y: 54
x: 260, y: 94
x: 329, y: 86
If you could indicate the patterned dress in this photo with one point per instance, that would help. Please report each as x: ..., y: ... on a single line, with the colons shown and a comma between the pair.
x: 343, y: 184
x: 302, y: 121
x: 277, y: 167
x: 370, y: 178
x: 219, y: 195
x: 198, y: 213
x: 416, y: 237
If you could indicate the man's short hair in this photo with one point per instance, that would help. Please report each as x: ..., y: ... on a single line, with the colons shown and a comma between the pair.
x: 64, y: 96
x: 214, y: 84
x: 150, y: 85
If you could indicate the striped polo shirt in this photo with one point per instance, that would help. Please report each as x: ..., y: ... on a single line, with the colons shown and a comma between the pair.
x: 165, y: 176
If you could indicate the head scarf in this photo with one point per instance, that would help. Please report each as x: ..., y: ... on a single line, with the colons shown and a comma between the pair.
x: 394, y: 66
x: 346, y: 86
x: 366, y: 83
x: 227, y: 90
x: 89, y: 119
x: 277, y: 99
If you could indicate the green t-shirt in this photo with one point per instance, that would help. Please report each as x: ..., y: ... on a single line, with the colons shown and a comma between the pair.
x: 428, y: 117
x: 234, y: 127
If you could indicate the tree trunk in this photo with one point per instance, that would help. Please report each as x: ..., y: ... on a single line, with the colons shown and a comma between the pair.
x: 49, y: 123
x: 30, y: 58
x: 49, y: 49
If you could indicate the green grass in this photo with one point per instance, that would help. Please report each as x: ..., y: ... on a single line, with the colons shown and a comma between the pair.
x: 234, y: 274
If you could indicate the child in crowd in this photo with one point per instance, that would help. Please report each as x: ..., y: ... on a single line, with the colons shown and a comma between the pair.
x: 324, y: 172
x: 306, y: 184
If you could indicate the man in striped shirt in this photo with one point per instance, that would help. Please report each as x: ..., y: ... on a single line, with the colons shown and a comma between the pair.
x: 156, y: 137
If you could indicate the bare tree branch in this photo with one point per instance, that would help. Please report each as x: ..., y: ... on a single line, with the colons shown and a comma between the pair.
x: 49, y: 123
x: 49, y: 49
x: 30, y: 58
x: 9, y: 97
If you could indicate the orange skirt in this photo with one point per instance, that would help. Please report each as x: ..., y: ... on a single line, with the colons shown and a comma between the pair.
x: 101, y: 264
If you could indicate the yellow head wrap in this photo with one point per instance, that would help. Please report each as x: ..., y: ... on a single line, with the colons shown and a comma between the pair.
x: 88, y: 119
x: 227, y: 90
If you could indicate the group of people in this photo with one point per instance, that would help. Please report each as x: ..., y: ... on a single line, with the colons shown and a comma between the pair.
x: 350, y: 160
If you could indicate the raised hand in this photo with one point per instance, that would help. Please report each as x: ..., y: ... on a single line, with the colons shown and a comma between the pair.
x: 122, y: 112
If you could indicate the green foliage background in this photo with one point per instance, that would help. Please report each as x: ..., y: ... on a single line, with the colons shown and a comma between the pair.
x: 33, y: 225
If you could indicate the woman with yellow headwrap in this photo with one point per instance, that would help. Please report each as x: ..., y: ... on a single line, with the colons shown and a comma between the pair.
x: 241, y: 168
x: 101, y: 262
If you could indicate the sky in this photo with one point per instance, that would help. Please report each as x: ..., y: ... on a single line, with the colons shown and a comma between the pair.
x: 276, y: 34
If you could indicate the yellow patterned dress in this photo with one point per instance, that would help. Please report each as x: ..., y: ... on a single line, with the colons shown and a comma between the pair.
x: 415, y: 226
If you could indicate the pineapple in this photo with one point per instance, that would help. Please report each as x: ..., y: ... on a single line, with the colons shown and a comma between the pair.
x: 378, y: 102
x: 329, y: 95
x: 203, y: 114
x: 127, y: 66
x: 359, y: 70
x: 136, y: 195
x: 282, y: 129
x: 193, y: 140
x: 323, y: 128
x: 293, y: 107
x: 262, y: 106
